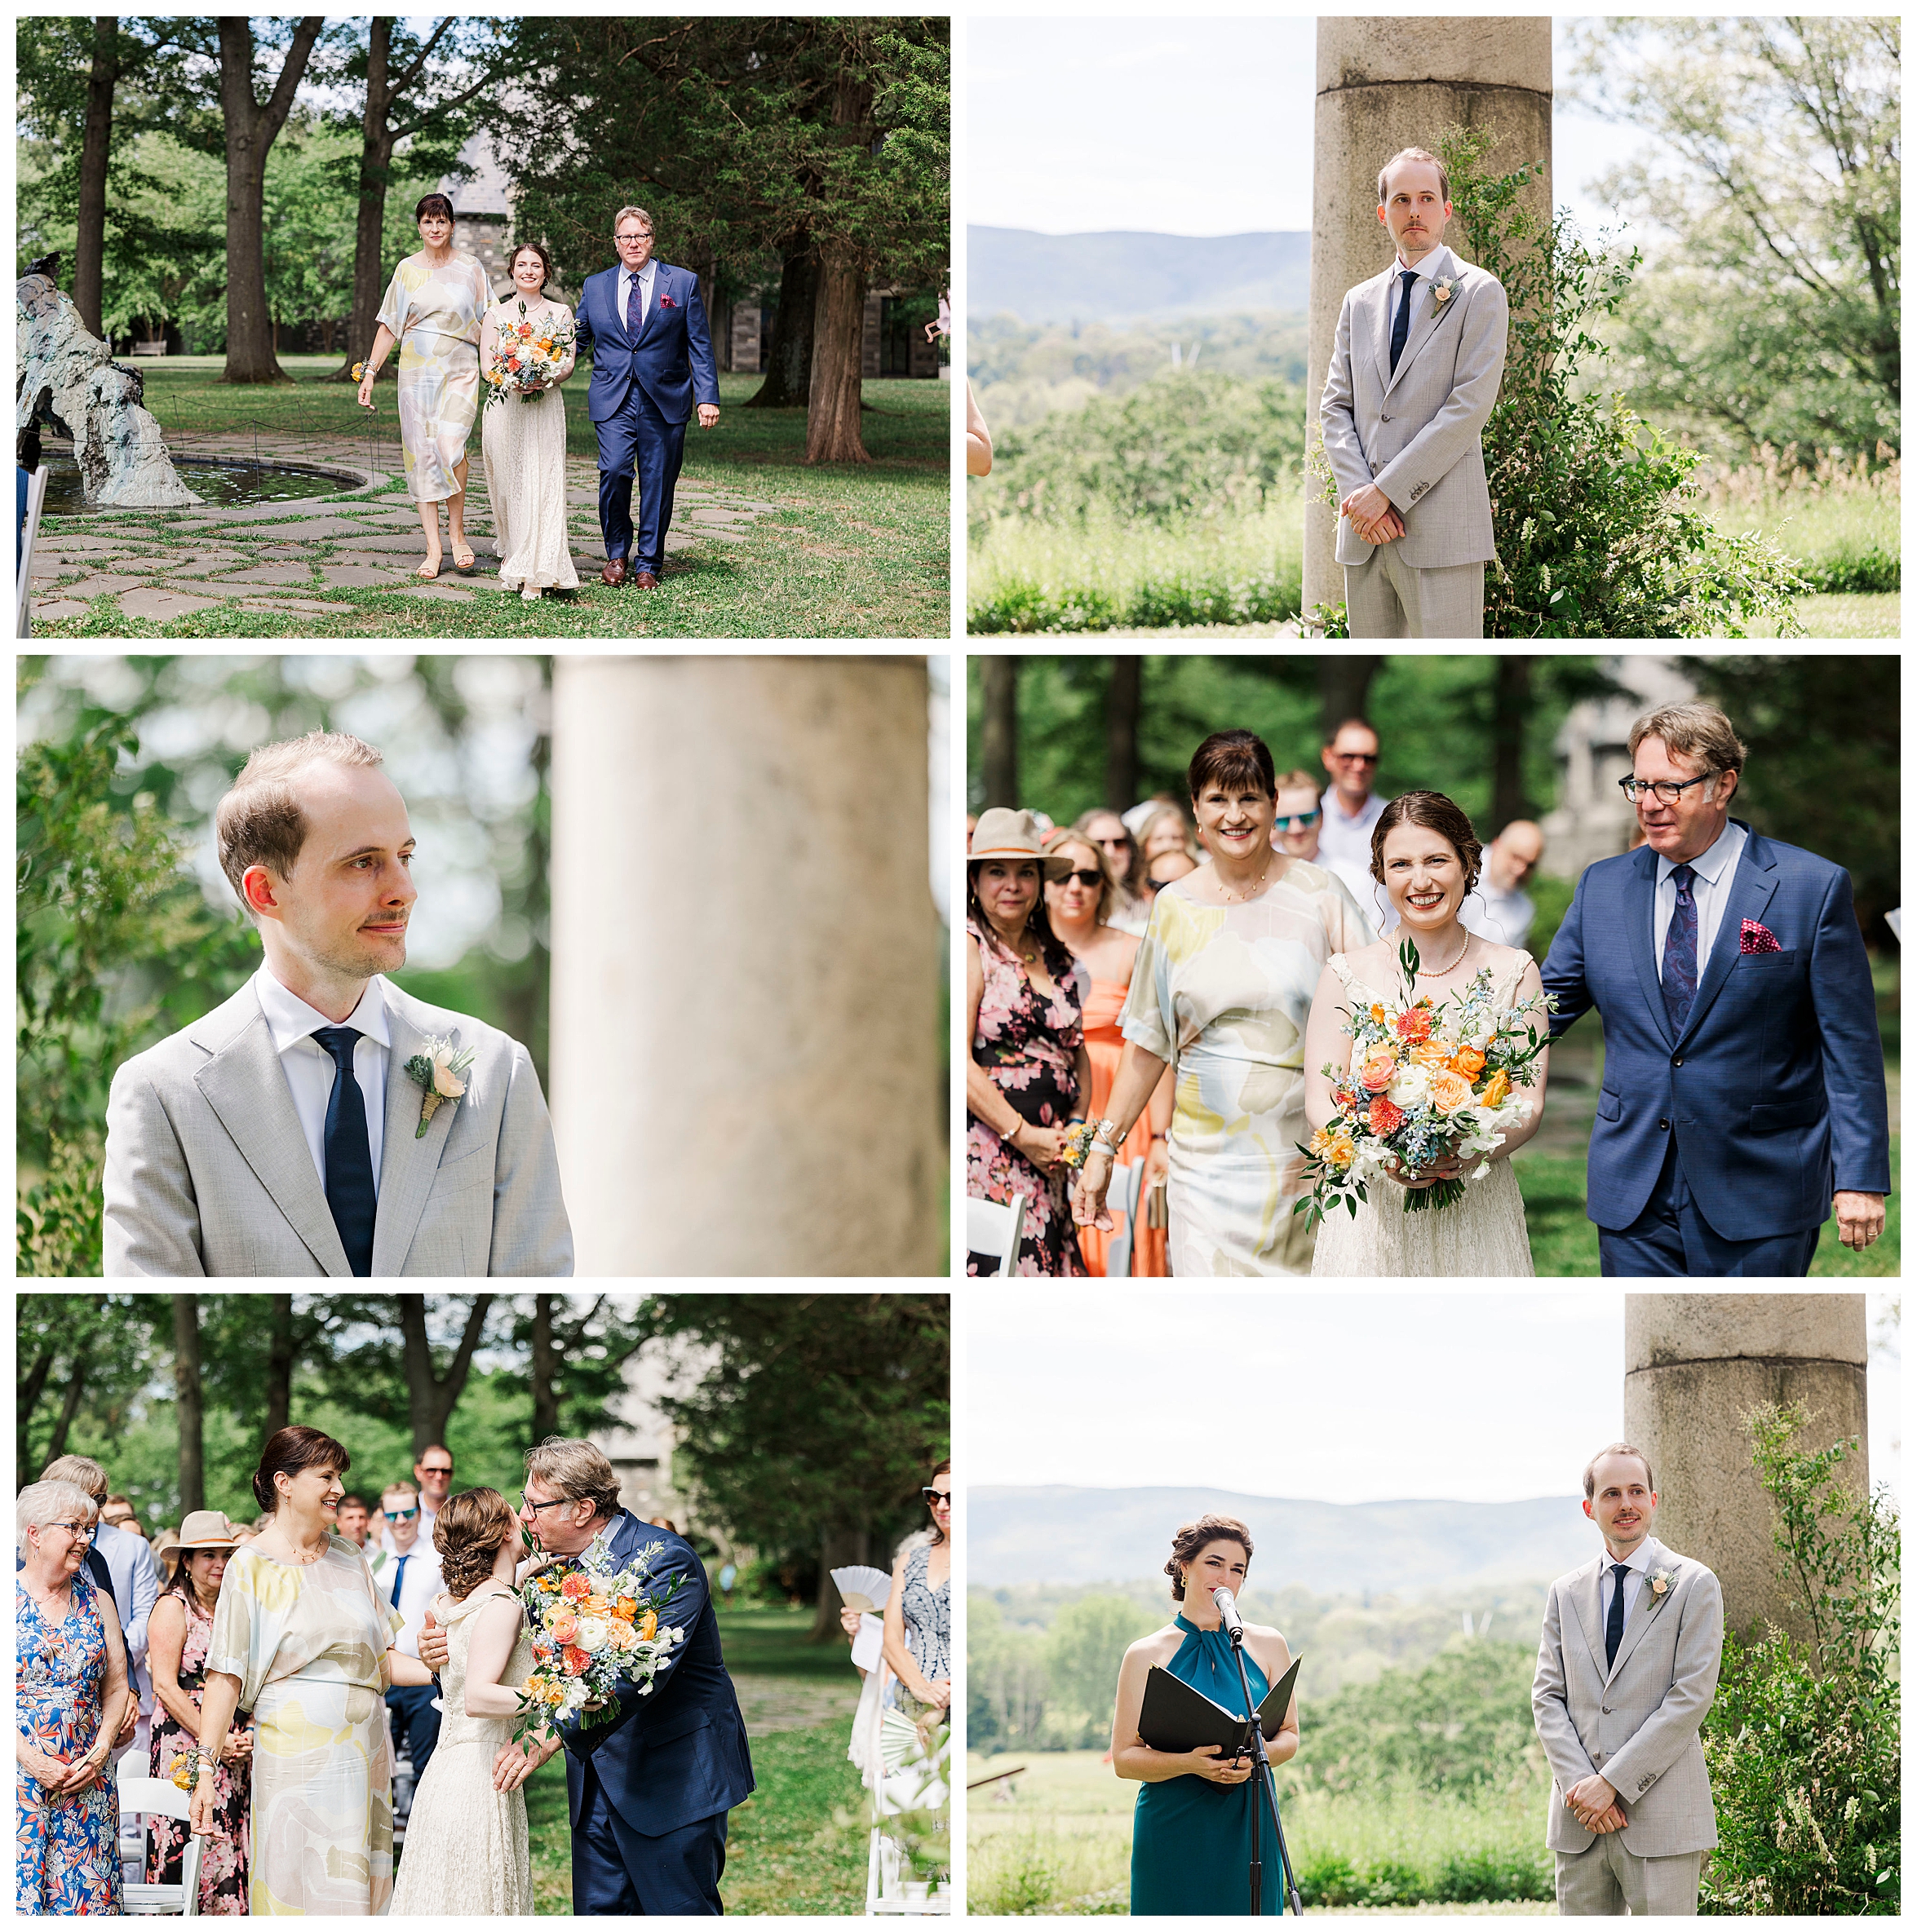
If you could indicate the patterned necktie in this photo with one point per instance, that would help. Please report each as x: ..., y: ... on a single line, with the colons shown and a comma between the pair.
x: 349, y: 1155
x: 1613, y: 1624
x: 1402, y: 326
x: 635, y: 306
x: 1680, y: 952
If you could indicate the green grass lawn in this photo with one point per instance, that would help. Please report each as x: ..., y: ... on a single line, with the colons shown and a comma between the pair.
x: 848, y: 550
x: 786, y: 1849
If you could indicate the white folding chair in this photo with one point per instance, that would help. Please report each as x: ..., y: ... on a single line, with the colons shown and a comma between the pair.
x: 1122, y: 1200
x: 23, y: 604
x: 157, y: 1796
x: 885, y: 1895
x: 992, y: 1229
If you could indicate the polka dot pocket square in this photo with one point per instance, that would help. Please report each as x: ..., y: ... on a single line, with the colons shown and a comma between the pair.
x: 1758, y: 939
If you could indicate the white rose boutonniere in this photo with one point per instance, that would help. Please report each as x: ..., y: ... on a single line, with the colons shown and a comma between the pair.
x: 1443, y: 288
x: 1660, y: 1580
x: 441, y: 1070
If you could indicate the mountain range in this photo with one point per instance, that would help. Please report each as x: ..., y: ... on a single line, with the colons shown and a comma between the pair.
x: 1065, y: 1535
x: 1124, y: 277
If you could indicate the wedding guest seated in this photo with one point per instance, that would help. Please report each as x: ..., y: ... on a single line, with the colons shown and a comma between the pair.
x: 180, y: 1630
x: 73, y: 1701
x: 301, y: 1638
x: 1500, y: 909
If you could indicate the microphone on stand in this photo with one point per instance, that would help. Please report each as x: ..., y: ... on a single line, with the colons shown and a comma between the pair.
x: 1228, y: 1609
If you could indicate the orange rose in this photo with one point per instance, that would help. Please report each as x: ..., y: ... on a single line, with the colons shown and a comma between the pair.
x: 1342, y: 1151
x: 1496, y: 1088
x: 1414, y: 1025
x: 625, y: 1608
x: 648, y: 1625
x: 576, y: 1660
x: 1450, y: 1090
x: 564, y: 1628
x: 1428, y: 1053
x: 1468, y: 1061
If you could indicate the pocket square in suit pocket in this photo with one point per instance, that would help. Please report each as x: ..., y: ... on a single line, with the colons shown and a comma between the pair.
x: 1757, y: 939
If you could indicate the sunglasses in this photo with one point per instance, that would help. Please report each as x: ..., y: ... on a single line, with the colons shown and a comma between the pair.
x: 936, y: 1496
x: 1300, y: 822
x: 1356, y: 757
x: 435, y: 1469
x: 1084, y: 875
x: 401, y: 1515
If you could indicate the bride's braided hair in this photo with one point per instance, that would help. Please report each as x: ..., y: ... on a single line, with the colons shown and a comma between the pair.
x: 467, y: 1533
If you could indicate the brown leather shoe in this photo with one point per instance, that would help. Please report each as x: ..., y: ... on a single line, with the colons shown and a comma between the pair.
x: 614, y: 571
x: 645, y: 580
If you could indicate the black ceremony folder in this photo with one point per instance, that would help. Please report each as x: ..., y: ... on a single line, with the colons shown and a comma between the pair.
x: 1175, y: 1717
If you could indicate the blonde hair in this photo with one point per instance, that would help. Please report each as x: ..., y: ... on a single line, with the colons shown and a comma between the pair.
x: 1409, y: 154
x: 578, y: 1471
x: 82, y: 1472
x: 637, y: 214
x: 1697, y: 730
x: 1298, y: 780
x: 260, y: 822
x: 1108, y: 883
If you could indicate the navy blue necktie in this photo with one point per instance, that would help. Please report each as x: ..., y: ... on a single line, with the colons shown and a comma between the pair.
x: 399, y: 1581
x: 1680, y: 952
x: 1613, y: 1624
x: 1402, y: 326
x: 635, y: 309
x: 349, y: 1155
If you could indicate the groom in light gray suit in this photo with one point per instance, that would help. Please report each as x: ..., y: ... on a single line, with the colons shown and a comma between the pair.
x: 1626, y: 1669
x: 1415, y: 372
x: 285, y: 1133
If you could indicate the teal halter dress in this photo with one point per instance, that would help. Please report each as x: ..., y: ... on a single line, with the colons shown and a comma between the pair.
x: 1191, y: 1839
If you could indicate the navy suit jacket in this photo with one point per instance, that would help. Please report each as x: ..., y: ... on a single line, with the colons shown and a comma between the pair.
x: 677, y: 1754
x: 1774, y: 1090
x: 671, y: 357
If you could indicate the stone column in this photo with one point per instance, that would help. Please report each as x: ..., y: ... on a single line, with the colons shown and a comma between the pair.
x: 746, y: 968
x: 1387, y: 84
x: 1694, y: 1365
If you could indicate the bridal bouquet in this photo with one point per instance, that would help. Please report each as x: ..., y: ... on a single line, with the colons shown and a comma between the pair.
x: 591, y: 1629
x: 1429, y: 1082
x: 529, y: 356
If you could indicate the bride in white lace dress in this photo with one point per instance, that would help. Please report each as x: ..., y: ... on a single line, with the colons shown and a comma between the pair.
x: 524, y: 442
x: 1426, y: 854
x: 467, y: 1855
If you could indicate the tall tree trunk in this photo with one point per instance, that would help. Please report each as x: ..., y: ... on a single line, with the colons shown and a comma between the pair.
x: 1344, y: 682
x: 31, y: 1385
x: 430, y: 1399
x: 69, y: 1408
x: 832, y: 434
x: 788, y: 360
x: 545, y: 1398
x: 837, y: 1547
x: 998, y: 734
x: 90, y: 240
x: 278, y: 1366
x: 1121, y: 709
x: 186, y: 1382
x: 250, y: 132
x: 1510, y: 718
x: 375, y: 163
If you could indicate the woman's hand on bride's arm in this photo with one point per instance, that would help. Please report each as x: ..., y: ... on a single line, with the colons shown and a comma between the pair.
x: 1089, y: 1188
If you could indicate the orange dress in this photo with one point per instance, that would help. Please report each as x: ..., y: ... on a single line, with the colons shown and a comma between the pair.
x: 1105, y: 1045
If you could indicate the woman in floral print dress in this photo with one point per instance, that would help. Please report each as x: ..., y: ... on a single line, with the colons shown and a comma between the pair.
x: 1029, y: 1076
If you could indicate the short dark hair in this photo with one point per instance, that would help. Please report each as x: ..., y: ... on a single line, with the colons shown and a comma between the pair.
x: 1364, y: 724
x: 1192, y: 1537
x: 354, y: 1503
x: 519, y: 248
x: 1650, y: 1482
x: 434, y: 204
x: 1239, y: 760
x: 1436, y: 813
x: 290, y: 1450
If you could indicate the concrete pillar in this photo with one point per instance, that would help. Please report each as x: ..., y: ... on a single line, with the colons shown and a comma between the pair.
x: 1387, y: 84
x: 745, y: 966
x: 1694, y: 1366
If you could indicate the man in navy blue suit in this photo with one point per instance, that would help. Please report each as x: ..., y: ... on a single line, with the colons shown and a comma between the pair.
x: 649, y: 1786
x: 644, y: 327
x: 1743, y: 1099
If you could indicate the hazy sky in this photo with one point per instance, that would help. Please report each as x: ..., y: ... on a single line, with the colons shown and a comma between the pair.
x: 1346, y: 1397
x: 1178, y: 127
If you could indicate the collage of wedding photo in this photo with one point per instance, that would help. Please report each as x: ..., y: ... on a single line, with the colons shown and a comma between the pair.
x: 824, y: 389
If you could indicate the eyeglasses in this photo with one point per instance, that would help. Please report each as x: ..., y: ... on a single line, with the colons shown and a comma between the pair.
x: 936, y: 1496
x: 435, y: 1469
x: 1300, y: 822
x: 537, y: 1507
x: 401, y: 1515
x: 1355, y: 757
x: 80, y: 1532
x: 1085, y: 877
x: 1664, y: 791
x: 643, y: 234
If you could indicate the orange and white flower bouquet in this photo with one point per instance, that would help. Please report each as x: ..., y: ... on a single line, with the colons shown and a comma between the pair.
x: 528, y: 359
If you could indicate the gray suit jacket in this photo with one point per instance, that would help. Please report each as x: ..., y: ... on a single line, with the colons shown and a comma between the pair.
x: 1417, y: 432
x: 1636, y: 1722
x: 207, y: 1172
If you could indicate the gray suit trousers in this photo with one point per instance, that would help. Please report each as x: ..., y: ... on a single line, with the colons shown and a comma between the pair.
x: 1386, y: 597
x: 1605, y: 1881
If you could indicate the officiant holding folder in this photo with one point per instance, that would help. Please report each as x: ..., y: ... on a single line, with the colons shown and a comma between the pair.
x: 1191, y: 1832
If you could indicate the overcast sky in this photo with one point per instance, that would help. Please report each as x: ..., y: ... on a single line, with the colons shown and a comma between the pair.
x: 1346, y: 1397
x: 1179, y: 127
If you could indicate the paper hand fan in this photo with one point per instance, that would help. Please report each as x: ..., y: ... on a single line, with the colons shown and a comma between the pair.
x: 861, y: 1587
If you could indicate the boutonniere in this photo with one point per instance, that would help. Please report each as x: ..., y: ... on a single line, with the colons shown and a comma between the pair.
x: 1442, y: 290
x: 441, y: 1071
x: 1660, y: 1580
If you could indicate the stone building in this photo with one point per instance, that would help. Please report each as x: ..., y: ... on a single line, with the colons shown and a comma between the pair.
x: 640, y: 1446
x: 482, y: 199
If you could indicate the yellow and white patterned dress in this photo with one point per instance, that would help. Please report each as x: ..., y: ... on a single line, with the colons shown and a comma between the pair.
x: 307, y: 1643
x: 1224, y: 993
x: 435, y: 315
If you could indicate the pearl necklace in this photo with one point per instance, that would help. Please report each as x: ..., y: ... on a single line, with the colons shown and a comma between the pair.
x: 1439, y: 972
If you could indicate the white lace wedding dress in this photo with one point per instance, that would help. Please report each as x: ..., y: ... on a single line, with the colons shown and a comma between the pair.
x: 1483, y: 1234
x: 467, y: 1855
x: 524, y: 442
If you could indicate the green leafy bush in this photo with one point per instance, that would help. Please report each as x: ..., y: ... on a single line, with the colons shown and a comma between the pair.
x: 1803, y: 1741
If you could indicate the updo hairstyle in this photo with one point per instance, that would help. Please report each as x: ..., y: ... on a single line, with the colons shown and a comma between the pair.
x: 1435, y: 813
x: 467, y: 1533
x: 1193, y: 1537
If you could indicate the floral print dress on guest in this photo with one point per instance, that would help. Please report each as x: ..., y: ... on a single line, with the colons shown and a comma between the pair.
x: 223, y: 1857
x: 66, y: 1848
x: 1027, y: 1044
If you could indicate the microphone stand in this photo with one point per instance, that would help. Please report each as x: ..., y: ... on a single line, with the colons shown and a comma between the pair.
x: 1269, y: 1792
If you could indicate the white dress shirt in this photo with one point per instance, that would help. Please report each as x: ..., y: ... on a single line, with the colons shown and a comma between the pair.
x: 421, y: 1583
x: 1493, y: 913
x: 428, y: 1516
x: 1424, y: 271
x: 1639, y: 1561
x: 643, y: 277
x: 1343, y: 839
x: 310, y: 1067
x: 1710, y: 888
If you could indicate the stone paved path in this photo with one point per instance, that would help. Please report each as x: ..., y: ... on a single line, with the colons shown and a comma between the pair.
x: 297, y: 556
x: 769, y: 1703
